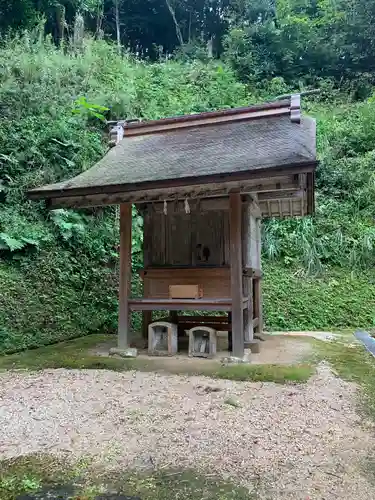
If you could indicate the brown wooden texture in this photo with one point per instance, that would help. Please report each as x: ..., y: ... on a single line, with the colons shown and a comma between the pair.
x: 146, y: 320
x: 157, y: 229
x: 258, y: 310
x: 249, y: 311
x: 258, y: 182
x: 222, y: 304
x: 310, y: 181
x: 147, y: 236
x: 235, y: 223
x: 125, y: 274
x: 215, y: 282
x: 210, y: 238
x: 185, y: 292
x: 178, y: 239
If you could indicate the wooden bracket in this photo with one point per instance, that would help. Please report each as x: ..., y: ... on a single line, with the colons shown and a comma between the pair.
x: 116, y: 134
x: 295, y: 108
x: 252, y: 273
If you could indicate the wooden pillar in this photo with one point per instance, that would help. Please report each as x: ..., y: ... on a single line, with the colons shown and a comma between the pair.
x: 147, y: 244
x: 258, y: 311
x: 246, y: 264
x: 249, y: 312
x: 146, y: 320
x: 258, y: 305
x: 173, y: 317
x: 235, y: 219
x: 125, y: 274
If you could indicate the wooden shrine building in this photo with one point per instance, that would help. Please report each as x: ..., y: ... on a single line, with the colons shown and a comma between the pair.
x: 203, y: 183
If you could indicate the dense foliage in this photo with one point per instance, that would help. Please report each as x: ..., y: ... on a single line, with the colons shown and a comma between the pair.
x: 58, y: 270
x: 301, y: 41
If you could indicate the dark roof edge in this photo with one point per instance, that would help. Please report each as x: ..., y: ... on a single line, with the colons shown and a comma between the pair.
x: 308, y: 164
x: 269, y: 109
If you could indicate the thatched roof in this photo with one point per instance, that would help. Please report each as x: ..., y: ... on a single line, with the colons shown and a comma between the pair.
x: 206, y: 147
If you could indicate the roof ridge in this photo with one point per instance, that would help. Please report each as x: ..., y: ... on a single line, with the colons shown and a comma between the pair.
x: 269, y: 109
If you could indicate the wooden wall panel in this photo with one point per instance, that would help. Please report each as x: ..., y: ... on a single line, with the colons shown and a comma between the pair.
x: 178, y: 239
x: 158, y: 255
x: 173, y: 239
x: 215, y: 282
x: 210, y: 239
x: 226, y: 238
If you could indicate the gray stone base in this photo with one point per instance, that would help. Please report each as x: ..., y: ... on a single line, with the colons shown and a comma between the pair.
x: 130, y: 352
x: 254, y: 346
x: 232, y: 360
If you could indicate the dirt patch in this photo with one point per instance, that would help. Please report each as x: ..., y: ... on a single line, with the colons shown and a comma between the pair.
x: 292, y: 442
x: 276, y: 349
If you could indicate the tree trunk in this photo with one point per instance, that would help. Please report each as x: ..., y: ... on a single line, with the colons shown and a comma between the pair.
x: 99, y: 19
x: 117, y: 18
x: 60, y: 22
x: 177, y: 27
x: 210, y: 48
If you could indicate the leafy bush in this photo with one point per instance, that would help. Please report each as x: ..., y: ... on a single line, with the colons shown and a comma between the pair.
x: 338, y: 299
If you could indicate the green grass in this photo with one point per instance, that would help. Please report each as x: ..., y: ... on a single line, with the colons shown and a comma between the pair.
x: 36, y: 473
x: 352, y: 363
x: 280, y: 374
x: 76, y: 354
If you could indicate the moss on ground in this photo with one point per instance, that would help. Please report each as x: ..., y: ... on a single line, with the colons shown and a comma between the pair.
x: 352, y: 363
x: 76, y: 354
x: 41, y: 475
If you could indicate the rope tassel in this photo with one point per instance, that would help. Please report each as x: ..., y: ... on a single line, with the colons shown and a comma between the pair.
x: 187, y: 206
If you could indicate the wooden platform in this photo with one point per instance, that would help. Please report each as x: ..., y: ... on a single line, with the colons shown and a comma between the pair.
x: 204, y: 304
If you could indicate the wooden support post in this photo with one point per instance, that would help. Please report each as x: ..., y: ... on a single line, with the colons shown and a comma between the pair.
x: 258, y: 283
x: 258, y: 312
x: 249, y: 311
x: 147, y: 244
x: 146, y: 320
x: 173, y: 317
x: 125, y: 274
x: 247, y: 262
x: 235, y: 219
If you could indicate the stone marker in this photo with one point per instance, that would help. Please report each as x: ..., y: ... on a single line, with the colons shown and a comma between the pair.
x: 130, y: 352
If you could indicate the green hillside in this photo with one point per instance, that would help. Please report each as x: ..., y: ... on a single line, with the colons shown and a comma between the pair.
x: 58, y: 270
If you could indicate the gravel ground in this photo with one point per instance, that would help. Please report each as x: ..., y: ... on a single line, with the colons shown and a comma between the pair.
x: 292, y: 442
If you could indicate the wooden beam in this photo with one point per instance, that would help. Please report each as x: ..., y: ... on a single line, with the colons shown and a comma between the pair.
x: 281, y: 195
x: 235, y: 219
x: 125, y: 274
x: 120, y: 193
x: 184, y: 304
x: 213, y: 196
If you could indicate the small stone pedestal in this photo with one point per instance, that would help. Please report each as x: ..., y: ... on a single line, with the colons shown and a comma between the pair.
x: 254, y: 345
x: 162, y: 339
x: 202, y: 342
